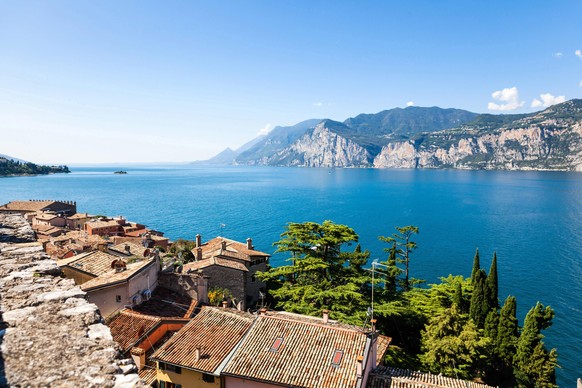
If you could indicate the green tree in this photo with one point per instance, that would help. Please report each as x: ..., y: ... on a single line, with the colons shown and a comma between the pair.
x: 452, y: 345
x: 320, y: 275
x: 391, y: 272
x: 476, y: 266
x: 182, y: 250
x: 534, y: 364
x: 405, y: 246
x: 507, y: 335
x: 478, y: 308
x: 493, y: 284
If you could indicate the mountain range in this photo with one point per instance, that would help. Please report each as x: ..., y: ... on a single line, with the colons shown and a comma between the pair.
x: 419, y: 137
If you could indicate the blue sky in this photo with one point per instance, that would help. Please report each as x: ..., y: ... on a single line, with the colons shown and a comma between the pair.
x: 162, y: 81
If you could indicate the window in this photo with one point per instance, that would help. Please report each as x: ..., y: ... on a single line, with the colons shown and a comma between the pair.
x: 207, y: 378
x: 277, y: 344
x: 337, y: 358
x: 118, y: 298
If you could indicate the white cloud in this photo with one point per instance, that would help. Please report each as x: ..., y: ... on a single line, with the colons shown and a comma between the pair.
x: 578, y: 53
x: 558, y: 55
x: 547, y: 100
x: 509, y: 97
x: 410, y: 103
x: 318, y: 104
x: 266, y: 129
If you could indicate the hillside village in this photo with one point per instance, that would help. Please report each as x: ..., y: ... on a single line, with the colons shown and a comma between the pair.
x: 169, y: 328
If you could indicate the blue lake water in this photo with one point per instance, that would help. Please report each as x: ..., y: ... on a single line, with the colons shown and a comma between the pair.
x: 533, y: 220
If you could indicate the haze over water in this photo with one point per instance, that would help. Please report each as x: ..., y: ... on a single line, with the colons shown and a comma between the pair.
x: 531, y: 219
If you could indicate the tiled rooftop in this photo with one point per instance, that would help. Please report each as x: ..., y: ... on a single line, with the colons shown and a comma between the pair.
x: 216, y: 331
x: 304, y: 357
x: 390, y: 377
x: 46, y: 216
x: 134, y: 249
x: 111, y: 276
x: 234, y: 249
x: 128, y: 327
x: 102, y: 224
x: 27, y: 206
x: 95, y: 263
x: 214, y: 261
x: 167, y: 303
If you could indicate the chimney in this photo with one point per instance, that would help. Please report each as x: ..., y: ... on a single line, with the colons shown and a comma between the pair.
x: 325, y: 316
x: 224, y: 303
x: 198, y: 254
x: 373, y: 322
x: 198, y: 240
x: 127, y: 249
x: 139, y: 357
x: 239, y: 306
x: 360, y: 360
x: 263, y: 311
x: 223, y: 245
x: 249, y: 243
x: 197, y: 353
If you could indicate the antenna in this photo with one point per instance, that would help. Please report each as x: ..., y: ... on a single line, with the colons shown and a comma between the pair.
x: 375, y: 263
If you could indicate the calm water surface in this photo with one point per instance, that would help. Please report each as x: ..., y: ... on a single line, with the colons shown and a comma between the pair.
x: 533, y: 220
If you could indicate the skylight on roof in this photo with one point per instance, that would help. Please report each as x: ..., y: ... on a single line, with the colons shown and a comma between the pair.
x: 277, y: 344
x: 337, y: 358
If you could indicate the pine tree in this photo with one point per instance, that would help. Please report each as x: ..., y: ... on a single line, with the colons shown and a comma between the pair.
x: 535, y: 365
x: 478, y: 308
x: 452, y: 345
x: 493, y: 284
x: 405, y: 247
x: 476, y: 266
x: 392, y: 271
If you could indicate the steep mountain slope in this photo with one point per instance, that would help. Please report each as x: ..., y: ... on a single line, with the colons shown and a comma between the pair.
x: 547, y: 140
x: 418, y: 137
x: 276, y: 140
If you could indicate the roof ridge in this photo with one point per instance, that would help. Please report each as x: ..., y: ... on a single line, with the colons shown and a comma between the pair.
x: 351, y: 330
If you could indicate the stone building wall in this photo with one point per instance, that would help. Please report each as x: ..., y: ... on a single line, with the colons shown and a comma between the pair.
x: 50, y: 335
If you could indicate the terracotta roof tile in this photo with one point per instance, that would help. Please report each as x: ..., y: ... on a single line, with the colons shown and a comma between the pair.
x: 27, y: 206
x: 216, y: 331
x: 214, y: 261
x: 234, y: 249
x: 305, y: 355
x: 390, y: 377
x: 383, y: 343
x: 134, y: 249
x: 102, y: 224
x: 128, y: 327
x: 95, y: 263
x: 112, y: 277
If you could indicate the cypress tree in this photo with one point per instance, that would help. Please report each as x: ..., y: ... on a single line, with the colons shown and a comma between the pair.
x: 493, y: 284
x: 458, y: 297
x: 476, y: 266
x: 491, y: 325
x: 535, y: 365
x: 478, y: 308
x: 507, y: 335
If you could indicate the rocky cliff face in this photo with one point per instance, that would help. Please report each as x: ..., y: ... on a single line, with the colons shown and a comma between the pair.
x: 549, y: 144
x: 322, y: 148
x: 546, y: 140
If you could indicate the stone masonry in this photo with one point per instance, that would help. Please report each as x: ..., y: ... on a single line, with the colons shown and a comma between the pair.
x: 50, y: 335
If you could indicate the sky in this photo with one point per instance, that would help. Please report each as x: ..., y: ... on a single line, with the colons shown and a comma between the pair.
x: 178, y: 81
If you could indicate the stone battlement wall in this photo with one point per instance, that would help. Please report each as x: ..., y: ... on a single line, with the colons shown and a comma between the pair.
x: 50, y: 335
